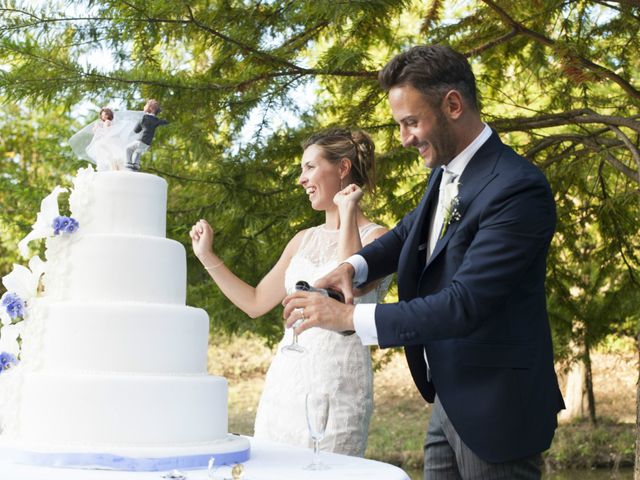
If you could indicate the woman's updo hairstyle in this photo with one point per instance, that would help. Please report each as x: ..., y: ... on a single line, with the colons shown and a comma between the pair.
x: 357, y: 146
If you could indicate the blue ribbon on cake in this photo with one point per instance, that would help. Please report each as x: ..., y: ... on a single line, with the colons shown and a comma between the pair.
x: 107, y: 461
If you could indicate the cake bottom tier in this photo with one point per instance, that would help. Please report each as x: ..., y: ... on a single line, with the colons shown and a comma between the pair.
x: 228, y: 450
x: 129, y: 411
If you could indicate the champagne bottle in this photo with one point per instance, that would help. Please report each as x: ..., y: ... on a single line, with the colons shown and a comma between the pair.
x: 327, y: 292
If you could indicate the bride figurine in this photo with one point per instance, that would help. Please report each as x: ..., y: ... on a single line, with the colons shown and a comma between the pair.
x: 104, y: 141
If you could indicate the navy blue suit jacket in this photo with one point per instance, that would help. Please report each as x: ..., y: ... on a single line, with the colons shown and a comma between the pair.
x: 478, y: 306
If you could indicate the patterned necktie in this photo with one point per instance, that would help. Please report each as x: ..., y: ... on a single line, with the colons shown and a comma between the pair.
x: 436, y: 222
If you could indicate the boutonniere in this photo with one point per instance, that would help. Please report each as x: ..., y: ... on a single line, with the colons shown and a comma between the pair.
x: 451, y: 208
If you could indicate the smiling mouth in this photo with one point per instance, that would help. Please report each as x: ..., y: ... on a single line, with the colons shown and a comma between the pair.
x: 310, y: 190
x: 424, y: 148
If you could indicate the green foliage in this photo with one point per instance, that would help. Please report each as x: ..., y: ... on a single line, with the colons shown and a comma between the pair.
x: 32, y: 160
x: 558, y: 80
x: 581, y: 445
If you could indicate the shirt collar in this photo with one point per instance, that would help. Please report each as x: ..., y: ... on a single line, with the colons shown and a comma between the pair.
x: 460, y: 161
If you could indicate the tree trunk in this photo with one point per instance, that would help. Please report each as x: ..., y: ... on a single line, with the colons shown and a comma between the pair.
x: 574, y: 393
x: 636, y: 470
x: 588, y: 380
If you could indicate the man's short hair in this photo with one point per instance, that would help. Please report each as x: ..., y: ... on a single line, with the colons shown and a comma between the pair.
x: 153, y: 105
x: 433, y: 70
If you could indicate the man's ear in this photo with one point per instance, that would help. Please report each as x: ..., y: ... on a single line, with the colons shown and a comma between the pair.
x: 453, y: 104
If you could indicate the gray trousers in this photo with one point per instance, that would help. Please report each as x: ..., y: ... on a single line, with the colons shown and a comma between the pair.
x: 133, y: 152
x: 446, y: 457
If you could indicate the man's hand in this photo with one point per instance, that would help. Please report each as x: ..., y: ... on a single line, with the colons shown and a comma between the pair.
x: 341, y: 279
x: 317, y: 311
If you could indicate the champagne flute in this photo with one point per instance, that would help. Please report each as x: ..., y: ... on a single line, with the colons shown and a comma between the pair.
x: 294, y: 347
x: 210, y: 468
x: 317, y: 410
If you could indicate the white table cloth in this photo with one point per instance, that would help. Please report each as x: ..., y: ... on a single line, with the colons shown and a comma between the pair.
x: 269, y: 461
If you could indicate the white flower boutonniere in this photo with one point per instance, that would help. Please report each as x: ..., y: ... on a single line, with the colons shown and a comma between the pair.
x: 451, y: 202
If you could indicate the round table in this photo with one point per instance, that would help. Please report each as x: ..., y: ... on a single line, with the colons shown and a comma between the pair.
x: 269, y: 461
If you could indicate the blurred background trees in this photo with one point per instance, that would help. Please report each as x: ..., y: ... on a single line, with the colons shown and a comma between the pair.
x: 244, y: 82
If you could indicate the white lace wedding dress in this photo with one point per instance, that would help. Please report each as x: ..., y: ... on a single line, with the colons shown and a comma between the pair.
x: 336, y: 364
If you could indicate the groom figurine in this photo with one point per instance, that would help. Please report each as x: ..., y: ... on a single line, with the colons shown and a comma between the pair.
x: 471, y: 262
x: 147, y: 125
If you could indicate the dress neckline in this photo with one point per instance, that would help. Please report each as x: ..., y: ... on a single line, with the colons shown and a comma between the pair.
x: 324, y: 228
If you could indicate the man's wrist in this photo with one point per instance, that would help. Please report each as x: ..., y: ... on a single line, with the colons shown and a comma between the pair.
x: 349, y: 268
x: 349, y: 330
x: 359, y: 270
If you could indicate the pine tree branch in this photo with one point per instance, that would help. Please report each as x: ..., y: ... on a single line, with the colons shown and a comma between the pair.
x: 492, y: 43
x: 598, y: 70
x: 270, y: 59
x: 630, y: 146
x: 594, y: 143
x: 215, y: 181
x: 594, y: 140
x: 621, y: 167
x: 620, y: 237
x: 433, y: 16
x: 571, y: 117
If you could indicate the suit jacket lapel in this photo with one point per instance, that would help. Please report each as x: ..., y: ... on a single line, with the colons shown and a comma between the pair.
x: 478, y: 173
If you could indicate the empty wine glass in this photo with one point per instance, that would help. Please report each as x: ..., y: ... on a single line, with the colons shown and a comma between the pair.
x: 210, y: 468
x: 294, y: 347
x: 317, y: 410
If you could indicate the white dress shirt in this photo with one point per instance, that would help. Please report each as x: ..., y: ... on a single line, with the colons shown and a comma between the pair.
x: 364, y: 319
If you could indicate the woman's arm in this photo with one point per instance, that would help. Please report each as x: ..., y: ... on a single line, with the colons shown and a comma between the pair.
x: 254, y: 301
x: 349, y: 241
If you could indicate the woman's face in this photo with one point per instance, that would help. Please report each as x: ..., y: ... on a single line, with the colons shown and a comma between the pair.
x: 319, y: 178
x: 104, y: 116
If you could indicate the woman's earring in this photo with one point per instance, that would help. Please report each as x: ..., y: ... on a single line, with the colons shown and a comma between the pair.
x: 341, y: 187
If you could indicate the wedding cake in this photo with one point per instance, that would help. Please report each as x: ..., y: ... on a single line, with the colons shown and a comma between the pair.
x: 112, y: 370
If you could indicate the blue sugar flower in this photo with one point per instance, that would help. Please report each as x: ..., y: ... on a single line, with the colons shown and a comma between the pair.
x: 72, y: 226
x: 7, y: 361
x: 57, y: 225
x: 62, y: 224
x: 13, y: 304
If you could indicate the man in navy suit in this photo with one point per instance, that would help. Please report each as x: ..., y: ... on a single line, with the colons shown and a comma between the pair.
x: 471, y: 262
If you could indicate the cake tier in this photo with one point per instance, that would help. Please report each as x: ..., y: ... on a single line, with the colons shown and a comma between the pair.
x: 121, y: 268
x: 125, y: 337
x: 123, y: 202
x: 130, y: 411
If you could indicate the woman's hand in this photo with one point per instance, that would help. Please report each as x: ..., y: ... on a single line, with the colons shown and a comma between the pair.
x: 202, y: 239
x: 348, y: 196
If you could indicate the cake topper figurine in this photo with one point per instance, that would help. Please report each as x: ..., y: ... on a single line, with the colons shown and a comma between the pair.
x: 147, y: 128
x: 106, y: 119
x: 103, y: 141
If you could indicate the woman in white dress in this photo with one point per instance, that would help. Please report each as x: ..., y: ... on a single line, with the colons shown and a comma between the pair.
x: 335, y: 165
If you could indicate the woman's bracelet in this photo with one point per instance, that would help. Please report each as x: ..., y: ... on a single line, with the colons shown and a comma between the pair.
x: 213, y: 267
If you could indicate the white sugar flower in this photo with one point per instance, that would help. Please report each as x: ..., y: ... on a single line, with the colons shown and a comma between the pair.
x: 9, y: 338
x: 44, y: 221
x: 24, y: 281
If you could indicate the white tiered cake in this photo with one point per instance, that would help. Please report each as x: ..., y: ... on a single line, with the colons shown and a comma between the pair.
x: 120, y: 380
